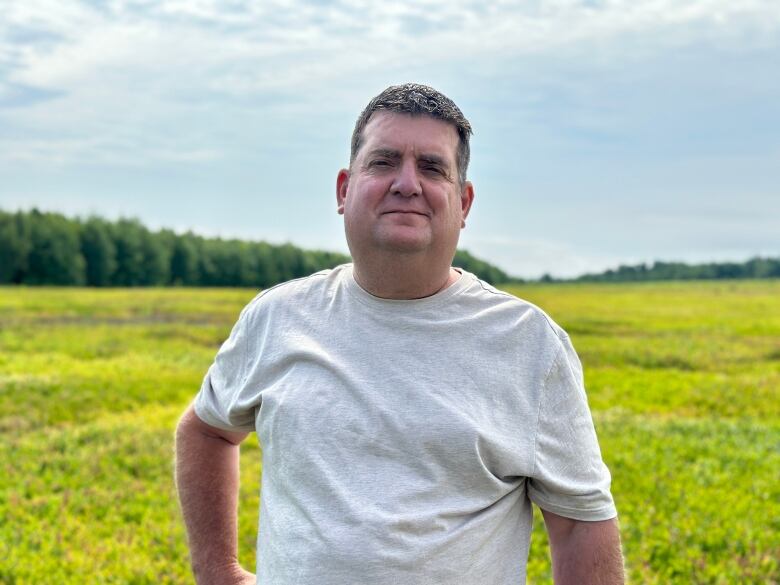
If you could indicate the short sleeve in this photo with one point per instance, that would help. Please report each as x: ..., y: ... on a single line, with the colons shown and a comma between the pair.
x: 224, y: 400
x: 569, y: 477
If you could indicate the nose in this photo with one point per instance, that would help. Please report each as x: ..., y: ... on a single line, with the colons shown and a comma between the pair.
x: 406, y: 183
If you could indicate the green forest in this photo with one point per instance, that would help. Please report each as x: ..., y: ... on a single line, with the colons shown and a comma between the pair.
x: 753, y: 268
x: 44, y: 248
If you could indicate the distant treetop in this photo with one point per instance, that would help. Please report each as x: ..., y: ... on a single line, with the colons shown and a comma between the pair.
x: 43, y: 248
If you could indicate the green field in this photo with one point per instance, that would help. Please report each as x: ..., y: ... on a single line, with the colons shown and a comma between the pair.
x: 683, y: 379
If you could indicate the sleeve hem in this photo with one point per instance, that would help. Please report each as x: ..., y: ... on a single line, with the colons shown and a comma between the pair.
x: 606, y: 512
x: 210, y: 419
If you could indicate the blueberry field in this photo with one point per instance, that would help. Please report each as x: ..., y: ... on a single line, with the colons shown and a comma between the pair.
x: 683, y: 380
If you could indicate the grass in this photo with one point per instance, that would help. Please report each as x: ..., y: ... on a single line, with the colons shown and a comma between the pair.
x: 683, y: 380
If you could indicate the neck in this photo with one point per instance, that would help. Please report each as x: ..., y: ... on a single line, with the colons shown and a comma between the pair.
x: 403, y: 278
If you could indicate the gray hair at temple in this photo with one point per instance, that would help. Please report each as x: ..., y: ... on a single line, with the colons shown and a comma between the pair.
x: 417, y: 100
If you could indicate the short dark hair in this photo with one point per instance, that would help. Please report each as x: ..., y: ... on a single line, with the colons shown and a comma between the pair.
x: 417, y: 100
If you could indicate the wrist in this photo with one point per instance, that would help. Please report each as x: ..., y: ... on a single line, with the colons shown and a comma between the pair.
x: 231, y: 573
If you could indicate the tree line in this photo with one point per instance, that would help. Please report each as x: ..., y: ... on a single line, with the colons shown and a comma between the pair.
x: 44, y: 248
x: 753, y: 268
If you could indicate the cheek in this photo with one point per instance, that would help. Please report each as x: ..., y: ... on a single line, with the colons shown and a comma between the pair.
x: 369, y: 193
x: 446, y: 202
x: 357, y: 208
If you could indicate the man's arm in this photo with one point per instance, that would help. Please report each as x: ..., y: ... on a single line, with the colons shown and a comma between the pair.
x: 584, y: 553
x: 207, y: 479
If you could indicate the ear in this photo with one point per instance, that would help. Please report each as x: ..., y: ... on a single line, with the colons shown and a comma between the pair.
x: 342, y: 182
x: 466, y: 199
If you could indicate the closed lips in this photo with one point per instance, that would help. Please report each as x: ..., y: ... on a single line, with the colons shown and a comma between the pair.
x: 405, y: 211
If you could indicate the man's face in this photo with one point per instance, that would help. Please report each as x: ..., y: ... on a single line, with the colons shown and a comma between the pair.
x: 402, y: 193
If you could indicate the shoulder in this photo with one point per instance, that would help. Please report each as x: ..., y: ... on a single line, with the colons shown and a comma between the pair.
x: 299, y: 287
x: 524, y: 317
x: 294, y: 293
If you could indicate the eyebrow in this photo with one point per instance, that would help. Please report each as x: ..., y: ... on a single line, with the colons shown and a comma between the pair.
x: 385, y: 153
x: 393, y: 154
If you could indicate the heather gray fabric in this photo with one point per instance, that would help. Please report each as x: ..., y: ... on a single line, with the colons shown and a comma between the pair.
x: 402, y: 440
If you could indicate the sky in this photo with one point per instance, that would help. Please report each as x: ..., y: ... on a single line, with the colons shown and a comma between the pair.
x: 605, y: 132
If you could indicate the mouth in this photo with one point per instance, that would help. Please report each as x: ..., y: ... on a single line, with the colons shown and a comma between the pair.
x: 406, y: 212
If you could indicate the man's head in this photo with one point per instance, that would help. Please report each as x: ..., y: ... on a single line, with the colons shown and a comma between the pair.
x: 405, y: 195
x: 417, y: 100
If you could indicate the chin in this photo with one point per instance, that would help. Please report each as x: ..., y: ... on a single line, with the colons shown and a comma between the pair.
x: 403, y: 247
x: 398, y: 241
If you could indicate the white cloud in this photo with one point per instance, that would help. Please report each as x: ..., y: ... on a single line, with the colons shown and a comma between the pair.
x: 172, y: 41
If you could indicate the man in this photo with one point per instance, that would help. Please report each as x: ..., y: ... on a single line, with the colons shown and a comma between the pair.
x: 409, y: 413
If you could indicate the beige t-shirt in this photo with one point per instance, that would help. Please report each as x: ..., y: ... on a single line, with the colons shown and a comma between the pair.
x: 404, y: 440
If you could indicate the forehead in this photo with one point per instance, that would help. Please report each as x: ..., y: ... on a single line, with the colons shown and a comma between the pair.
x: 404, y: 132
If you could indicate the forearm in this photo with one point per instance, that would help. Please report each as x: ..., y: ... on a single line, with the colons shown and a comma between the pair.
x: 586, y: 553
x: 207, y: 480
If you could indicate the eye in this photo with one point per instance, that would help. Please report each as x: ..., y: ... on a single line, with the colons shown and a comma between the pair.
x: 433, y: 169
